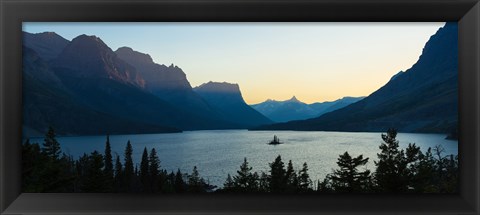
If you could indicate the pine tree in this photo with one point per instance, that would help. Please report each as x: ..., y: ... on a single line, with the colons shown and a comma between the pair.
x: 325, y: 186
x: 392, y: 174
x: 66, y: 180
x: 56, y: 178
x: 169, y: 182
x: 81, y: 166
x: 245, y: 180
x: 450, y: 181
x: 229, y: 184
x: 35, y: 176
x: 179, y: 183
x: 264, y: 183
x: 51, y: 147
x: 277, y: 182
x: 108, y: 170
x: 108, y: 159
x: 348, y: 178
x: 136, y: 184
x: 94, y: 174
x: 144, y: 171
x: 154, y: 171
x: 119, y: 179
x: 129, y: 173
x: 291, y: 178
x: 195, y: 183
x: 304, y: 182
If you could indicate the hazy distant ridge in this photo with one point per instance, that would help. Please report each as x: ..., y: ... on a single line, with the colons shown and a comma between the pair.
x: 424, y: 98
x: 293, y: 109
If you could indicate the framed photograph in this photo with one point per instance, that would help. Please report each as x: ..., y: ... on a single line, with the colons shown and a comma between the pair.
x: 261, y: 107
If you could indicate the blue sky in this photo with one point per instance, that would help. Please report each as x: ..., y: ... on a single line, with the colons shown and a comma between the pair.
x: 313, y: 61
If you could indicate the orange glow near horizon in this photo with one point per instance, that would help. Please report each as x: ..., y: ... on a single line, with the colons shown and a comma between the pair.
x: 315, y: 62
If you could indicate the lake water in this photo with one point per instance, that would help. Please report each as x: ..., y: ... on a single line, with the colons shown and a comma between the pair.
x: 217, y: 153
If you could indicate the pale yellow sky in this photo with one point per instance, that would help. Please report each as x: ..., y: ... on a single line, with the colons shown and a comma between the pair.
x: 314, y: 61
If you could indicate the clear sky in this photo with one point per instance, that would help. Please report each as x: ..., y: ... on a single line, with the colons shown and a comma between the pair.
x: 313, y: 61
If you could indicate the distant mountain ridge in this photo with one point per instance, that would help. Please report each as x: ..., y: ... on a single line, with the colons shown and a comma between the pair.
x: 83, y: 87
x: 424, y: 98
x: 293, y: 109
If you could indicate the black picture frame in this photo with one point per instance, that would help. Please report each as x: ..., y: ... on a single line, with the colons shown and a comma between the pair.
x: 14, y: 12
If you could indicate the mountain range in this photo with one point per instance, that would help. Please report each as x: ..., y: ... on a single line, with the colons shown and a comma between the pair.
x: 293, y: 109
x: 82, y: 87
x: 423, y: 98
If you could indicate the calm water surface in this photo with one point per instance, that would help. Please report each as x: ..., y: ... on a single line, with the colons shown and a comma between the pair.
x: 217, y: 153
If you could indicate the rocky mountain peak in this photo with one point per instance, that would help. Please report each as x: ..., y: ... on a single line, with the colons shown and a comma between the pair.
x: 223, y: 87
x: 135, y: 56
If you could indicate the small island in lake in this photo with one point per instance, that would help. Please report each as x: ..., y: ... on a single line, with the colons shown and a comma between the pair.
x: 275, y: 141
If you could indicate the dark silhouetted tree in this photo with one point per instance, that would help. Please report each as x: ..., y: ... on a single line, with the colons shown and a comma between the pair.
x: 304, y: 182
x: 390, y: 175
x: 395, y: 168
x: 95, y: 180
x: 108, y: 170
x: 51, y: 147
x: 179, y: 182
x: 348, y: 178
x: 129, y: 172
x: 169, y: 182
x: 119, y: 175
x: 264, y: 182
x: 144, y: 171
x: 48, y: 171
x: 245, y: 180
x: 291, y: 178
x: 325, y: 186
x: 154, y: 171
x: 229, y: 184
x: 450, y: 175
x: 195, y: 183
x: 34, y: 174
x: 277, y: 182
